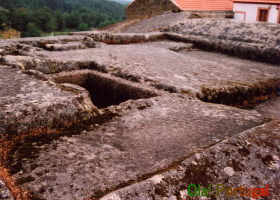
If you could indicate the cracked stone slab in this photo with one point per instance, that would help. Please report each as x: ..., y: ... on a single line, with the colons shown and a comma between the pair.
x: 32, y: 100
x: 186, y: 72
x: 249, y: 160
x: 146, y: 137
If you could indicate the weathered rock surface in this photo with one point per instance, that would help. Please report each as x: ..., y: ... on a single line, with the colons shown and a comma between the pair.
x: 255, y: 41
x: 229, y: 29
x: 248, y: 32
x: 248, y: 160
x: 32, y: 101
x: 270, y: 109
x: 146, y: 137
x: 29, y: 46
x: 173, y: 46
x: 91, y: 114
x: 210, y: 76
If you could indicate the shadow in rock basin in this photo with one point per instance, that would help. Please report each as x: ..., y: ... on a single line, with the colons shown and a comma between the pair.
x: 104, y: 90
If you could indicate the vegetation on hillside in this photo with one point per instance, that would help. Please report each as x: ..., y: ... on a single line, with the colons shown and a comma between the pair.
x: 35, y: 17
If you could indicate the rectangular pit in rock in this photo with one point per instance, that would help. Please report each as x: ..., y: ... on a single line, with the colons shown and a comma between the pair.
x: 105, y: 90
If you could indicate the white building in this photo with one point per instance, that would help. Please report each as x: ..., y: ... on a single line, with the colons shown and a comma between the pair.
x: 257, y: 10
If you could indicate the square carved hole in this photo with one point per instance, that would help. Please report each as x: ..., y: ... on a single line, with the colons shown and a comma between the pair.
x: 104, y: 89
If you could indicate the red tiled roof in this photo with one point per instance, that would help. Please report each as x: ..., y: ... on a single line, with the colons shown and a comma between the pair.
x: 216, y: 5
x: 258, y: 1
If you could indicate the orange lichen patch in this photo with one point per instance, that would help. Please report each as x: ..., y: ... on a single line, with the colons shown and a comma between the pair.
x: 10, y: 141
x: 17, y: 192
x: 7, y: 147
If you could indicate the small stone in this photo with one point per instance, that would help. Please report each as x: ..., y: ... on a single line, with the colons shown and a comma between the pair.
x: 229, y: 171
x: 247, y: 143
x: 157, y: 179
x: 184, y: 194
x: 197, y: 156
x: 111, y: 196
x: 194, y: 163
x: 275, y: 157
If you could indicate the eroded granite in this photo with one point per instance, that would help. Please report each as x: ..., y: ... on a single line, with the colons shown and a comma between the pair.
x: 247, y: 160
x: 153, y: 142
x: 203, y: 74
x: 147, y: 136
x: 35, y: 101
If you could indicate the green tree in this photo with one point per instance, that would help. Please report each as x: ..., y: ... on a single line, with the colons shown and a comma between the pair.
x: 44, y: 19
x: 60, y: 23
x: 58, y: 15
x: 72, y: 20
x: 19, y: 18
x: 31, y: 31
x: 104, y: 23
x: 4, y: 22
x: 51, y: 25
x: 83, y: 26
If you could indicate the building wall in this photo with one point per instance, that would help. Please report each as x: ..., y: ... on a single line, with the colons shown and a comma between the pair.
x: 148, y: 8
x: 249, y: 12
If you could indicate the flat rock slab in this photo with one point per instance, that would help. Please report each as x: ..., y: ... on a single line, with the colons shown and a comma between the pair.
x: 161, y: 67
x: 147, y: 136
x: 247, y: 160
x: 32, y: 101
x: 171, y: 45
x: 270, y: 109
x: 249, y: 40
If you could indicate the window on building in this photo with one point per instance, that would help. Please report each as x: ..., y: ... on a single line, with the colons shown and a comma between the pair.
x: 263, y: 14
